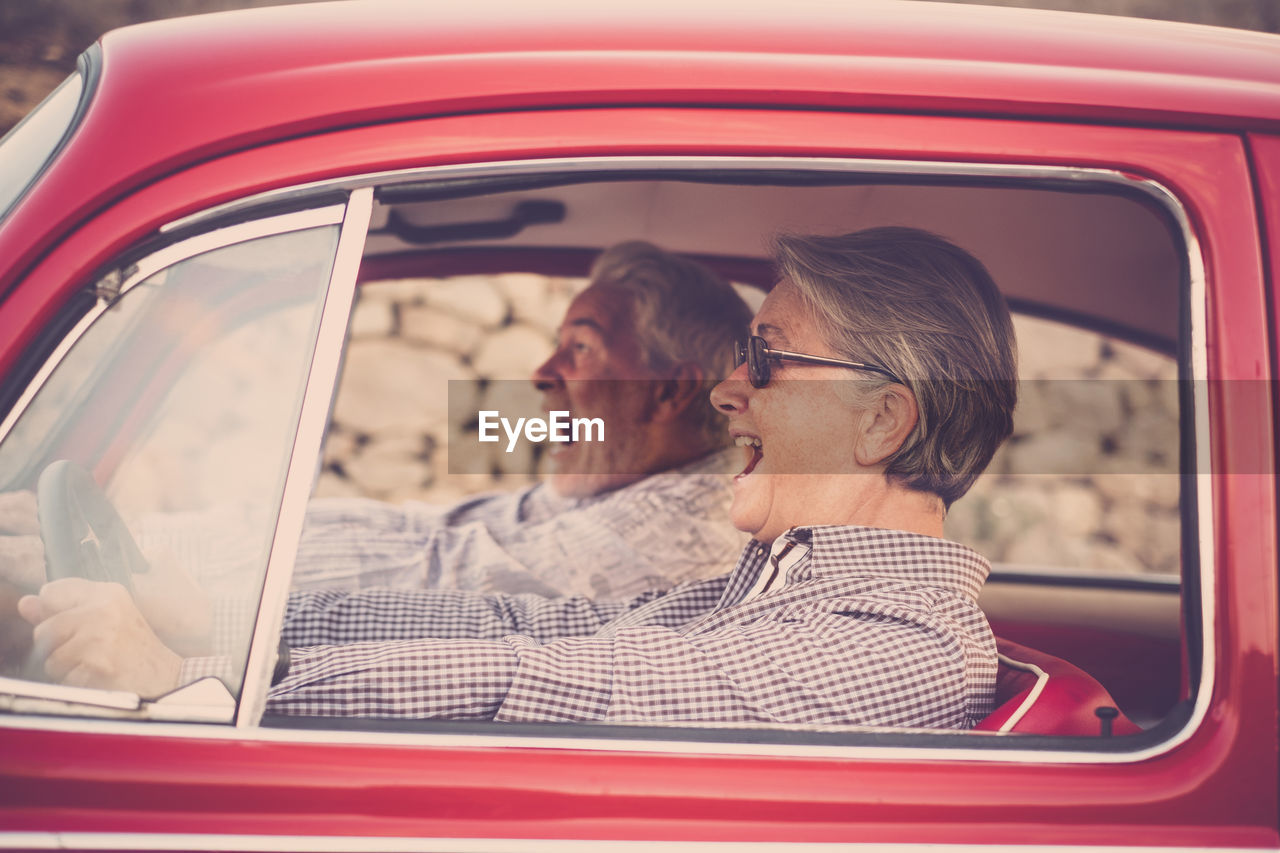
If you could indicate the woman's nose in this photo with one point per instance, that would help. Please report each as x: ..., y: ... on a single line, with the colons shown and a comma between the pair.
x: 730, y: 395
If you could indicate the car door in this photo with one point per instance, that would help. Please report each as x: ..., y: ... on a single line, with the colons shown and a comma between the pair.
x: 338, y: 782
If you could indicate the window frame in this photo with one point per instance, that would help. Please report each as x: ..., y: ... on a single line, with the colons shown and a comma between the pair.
x: 709, y: 741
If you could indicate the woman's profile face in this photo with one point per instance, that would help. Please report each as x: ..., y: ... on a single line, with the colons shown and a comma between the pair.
x: 797, y: 433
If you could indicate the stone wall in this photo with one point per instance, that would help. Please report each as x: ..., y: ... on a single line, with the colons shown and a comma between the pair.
x: 391, y: 423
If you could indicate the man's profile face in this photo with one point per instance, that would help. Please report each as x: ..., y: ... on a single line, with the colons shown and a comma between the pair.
x: 598, y: 371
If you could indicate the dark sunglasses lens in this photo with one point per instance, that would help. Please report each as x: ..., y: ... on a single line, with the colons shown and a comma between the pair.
x: 739, y: 354
x: 757, y: 362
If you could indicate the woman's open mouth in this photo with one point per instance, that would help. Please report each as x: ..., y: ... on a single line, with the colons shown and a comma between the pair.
x: 755, y: 452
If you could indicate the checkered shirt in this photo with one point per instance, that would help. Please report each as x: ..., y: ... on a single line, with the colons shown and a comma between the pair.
x: 533, y: 540
x: 870, y: 627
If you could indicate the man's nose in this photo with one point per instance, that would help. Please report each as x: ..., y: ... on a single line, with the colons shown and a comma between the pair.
x: 546, y: 376
x: 730, y: 395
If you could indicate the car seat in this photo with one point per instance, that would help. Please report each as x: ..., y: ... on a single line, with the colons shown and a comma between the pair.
x: 1037, y: 693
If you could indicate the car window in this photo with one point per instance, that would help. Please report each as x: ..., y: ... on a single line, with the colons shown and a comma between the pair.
x: 28, y: 147
x: 1081, y: 513
x: 157, y: 446
x: 451, y: 322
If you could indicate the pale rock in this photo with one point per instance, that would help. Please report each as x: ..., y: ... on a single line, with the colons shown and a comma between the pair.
x: 1060, y: 452
x: 1048, y: 350
x: 512, y: 353
x: 1104, y: 557
x: 472, y: 297
x: 1143, y: 363
x: 330, y: 484
x: 1149, y: 444
x: 1161, y: 491
x: 388, y: 385
x: 1076, y: 509
x: 389, y: 464
x: 373, y: 318
x: 1032, y: 414
x: 1127, y: 524
x: 1163, y: 550
x: 1086, y: 406
x: 534, y: 299
x: 439, y: 329
x: 404, y: 291
x: 339, y: 444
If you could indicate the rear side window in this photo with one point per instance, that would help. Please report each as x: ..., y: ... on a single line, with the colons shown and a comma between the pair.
x: 25, y: 150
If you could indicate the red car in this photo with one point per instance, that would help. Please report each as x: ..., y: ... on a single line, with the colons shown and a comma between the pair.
x: 185, y: 226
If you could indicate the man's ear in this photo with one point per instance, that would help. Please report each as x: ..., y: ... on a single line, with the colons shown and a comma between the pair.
x: 885, y: 424
x: 682, y: 388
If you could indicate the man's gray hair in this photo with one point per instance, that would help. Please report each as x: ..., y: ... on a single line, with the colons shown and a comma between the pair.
x: 929, y: 312
x: 684, y: 312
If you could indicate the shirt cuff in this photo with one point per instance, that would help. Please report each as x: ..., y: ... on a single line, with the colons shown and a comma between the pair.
x: 194, y: 669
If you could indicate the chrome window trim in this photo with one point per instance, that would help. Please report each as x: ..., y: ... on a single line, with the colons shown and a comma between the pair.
x: 312, y: 422
x: 1198, y: 355
x: 108, y: 841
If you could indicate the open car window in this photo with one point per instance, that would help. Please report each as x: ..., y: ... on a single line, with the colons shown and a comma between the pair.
x: 1084, y: 513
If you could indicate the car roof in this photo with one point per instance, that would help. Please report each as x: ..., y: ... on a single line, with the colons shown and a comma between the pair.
x: 172, y: 93
x: 276, y: 70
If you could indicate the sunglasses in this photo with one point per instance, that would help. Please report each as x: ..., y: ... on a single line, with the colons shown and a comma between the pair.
x: 755, y: 352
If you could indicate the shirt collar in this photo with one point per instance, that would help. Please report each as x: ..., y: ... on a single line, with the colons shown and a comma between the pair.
x: 849, y: 551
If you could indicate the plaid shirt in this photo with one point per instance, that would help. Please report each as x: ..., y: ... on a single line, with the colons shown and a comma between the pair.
x: 866, y: 627
x: 533, y: 540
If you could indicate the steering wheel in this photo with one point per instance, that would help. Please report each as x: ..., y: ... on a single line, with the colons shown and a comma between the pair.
x: 84, y: 536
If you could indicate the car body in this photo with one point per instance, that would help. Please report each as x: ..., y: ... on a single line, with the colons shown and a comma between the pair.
x: 1116, y: 175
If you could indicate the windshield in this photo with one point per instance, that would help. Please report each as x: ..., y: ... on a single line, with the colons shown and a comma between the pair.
x: 26, y: 149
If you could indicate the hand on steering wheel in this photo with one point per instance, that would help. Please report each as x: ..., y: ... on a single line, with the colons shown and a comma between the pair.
x: 84, y: 536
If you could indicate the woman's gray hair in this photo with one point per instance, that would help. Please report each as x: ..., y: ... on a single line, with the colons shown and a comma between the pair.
x: 929, y: 312
x: 684, y: 312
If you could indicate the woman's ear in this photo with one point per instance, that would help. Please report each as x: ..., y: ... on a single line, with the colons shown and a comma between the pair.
x: 885, y: 424
x: 681, y: 388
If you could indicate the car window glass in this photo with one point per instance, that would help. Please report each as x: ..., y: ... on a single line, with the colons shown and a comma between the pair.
x: 25, y: 149
x: 179, y: 405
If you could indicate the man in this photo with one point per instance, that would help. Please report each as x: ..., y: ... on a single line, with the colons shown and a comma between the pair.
x: 638, y: 349
x: 846, y: 609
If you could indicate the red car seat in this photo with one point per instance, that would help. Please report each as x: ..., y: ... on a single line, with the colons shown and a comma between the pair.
x: 1037, y: 693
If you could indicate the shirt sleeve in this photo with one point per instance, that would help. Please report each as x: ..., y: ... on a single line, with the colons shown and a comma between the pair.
x: 339, y: 617
x: 657, y: 533
x: 459, y: 655
x: 526, y: 542
x: 805, y: 667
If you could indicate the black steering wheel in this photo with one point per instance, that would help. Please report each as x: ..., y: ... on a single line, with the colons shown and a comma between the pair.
x: 84, y: 536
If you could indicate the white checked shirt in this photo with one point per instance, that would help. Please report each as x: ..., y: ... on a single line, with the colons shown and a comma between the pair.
x: 533, y: 540
x: 868, y: 627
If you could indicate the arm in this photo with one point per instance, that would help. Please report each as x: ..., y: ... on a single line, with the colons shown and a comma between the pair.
x: 337, y: 617
x: 808, y: 666
x: 527, y: 542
